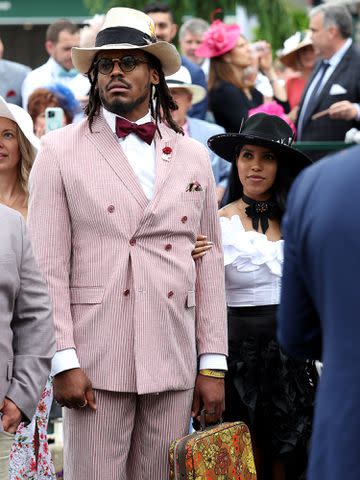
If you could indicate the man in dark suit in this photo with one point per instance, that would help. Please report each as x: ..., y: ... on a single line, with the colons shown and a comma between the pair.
x: 334, y: 87
x: 319, y: 310
x: 166, y: 30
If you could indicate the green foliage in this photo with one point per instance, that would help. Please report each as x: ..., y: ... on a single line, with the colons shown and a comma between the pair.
x: 301, y: 19
x: 277, y: 18
x: 180, y: 9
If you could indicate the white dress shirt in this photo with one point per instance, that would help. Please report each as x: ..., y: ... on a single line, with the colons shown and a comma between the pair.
x: 141, y: 157
x: 50, y: 73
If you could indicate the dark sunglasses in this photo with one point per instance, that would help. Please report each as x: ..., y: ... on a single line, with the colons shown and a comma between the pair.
x: 126, y: 63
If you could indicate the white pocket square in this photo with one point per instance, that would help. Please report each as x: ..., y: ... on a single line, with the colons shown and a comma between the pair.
x: 337, y: 89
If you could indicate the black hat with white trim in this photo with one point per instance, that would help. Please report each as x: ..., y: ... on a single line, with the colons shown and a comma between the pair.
x: 263, y: 130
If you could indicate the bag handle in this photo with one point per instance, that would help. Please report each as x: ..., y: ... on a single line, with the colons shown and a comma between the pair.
x: 203, y: 426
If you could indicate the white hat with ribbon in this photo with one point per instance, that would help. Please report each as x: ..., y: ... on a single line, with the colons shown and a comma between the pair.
x: 22, y: 119
x: 128, y: 29
x: 182, y: 79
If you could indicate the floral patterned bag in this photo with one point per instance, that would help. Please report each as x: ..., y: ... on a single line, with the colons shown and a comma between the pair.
x: 221, y: 452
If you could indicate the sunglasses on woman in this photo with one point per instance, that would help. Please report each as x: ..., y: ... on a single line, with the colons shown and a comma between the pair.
x: 127, y: 64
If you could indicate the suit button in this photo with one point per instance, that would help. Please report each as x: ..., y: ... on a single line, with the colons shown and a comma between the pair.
x: 184, y: 219
x: 126, y: 292
x: 168, y: 247
x: 132, y: 242
x: 111, y: 208
x: 170, y: 294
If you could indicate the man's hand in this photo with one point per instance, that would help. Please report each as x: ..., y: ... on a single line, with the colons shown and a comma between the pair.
x: 209, y: 394
x: 344, y: 110
x: 73, y: 389
x: 11, y: 416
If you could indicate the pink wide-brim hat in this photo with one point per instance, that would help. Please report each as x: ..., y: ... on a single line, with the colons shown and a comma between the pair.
x: 219, y: 39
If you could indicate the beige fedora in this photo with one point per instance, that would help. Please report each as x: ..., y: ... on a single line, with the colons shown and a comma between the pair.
x: 288, y: 55
x: 182, y: 79
x: 126, y: 28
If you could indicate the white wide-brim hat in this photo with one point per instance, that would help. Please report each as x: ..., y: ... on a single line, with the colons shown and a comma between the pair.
x: 182, y: 79
x: 23, y: 121
x: 288, y: 55
x: 128, y: 29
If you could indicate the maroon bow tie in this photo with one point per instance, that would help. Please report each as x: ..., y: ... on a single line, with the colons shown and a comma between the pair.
x: 146, y: 131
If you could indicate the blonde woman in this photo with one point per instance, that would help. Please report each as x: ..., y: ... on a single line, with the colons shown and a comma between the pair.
x: 18, y: 146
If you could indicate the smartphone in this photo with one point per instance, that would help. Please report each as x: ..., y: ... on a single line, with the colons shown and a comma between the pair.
x: 54, y: 118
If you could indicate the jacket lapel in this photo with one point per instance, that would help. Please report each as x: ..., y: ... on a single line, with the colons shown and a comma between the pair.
x: 164, y: 164
x: 334, y: 76
x: 312, y: 76
x: 107, y: 145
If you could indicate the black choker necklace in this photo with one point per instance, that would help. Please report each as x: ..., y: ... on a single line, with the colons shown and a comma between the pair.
x: 261, y: 211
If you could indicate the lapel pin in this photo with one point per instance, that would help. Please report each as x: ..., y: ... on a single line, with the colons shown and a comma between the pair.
x: 166, y: 153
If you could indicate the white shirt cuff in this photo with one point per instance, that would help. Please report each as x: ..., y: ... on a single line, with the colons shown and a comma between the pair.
x: 357, y: 106
x: 64, y: 360
x: 213, y: 361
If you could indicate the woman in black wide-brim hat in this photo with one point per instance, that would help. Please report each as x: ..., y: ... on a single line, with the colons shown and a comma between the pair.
x: 272, y: 393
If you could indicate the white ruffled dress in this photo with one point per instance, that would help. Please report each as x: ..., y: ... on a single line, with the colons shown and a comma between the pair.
x: 253, y: 265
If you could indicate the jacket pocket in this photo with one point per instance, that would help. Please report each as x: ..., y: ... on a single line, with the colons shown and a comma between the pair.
x: 193, y: 198
x: 86, y: 295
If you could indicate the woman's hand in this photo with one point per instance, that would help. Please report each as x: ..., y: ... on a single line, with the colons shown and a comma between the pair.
x: 266, y: 59
x: 11, y: 416
x: 201, y: 247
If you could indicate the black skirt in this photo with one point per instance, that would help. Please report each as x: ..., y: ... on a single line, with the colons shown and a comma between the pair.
x: 268, y: 390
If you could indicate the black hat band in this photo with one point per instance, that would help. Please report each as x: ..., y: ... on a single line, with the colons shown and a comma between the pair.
x: 117, y: 35
x: 180, y: 82
x: 274, y: 139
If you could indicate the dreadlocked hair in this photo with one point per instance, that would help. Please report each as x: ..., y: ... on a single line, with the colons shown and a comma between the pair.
x: 161, y: 104
x: 93, y: 106
x: 164, y: 103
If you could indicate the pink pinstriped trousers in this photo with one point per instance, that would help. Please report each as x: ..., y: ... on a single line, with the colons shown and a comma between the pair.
x: 127, y: 438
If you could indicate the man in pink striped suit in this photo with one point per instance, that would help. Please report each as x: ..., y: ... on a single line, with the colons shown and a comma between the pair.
x: 115, y: 205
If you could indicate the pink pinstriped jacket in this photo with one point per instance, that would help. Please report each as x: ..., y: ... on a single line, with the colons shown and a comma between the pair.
x: 126, y: 292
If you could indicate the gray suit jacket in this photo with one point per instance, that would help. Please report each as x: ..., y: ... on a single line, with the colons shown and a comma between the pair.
x: 12, y: 75
x: 27, y: 341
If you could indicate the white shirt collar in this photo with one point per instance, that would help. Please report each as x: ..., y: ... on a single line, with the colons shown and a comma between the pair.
x: 337, y: 57
x: 111, y: 118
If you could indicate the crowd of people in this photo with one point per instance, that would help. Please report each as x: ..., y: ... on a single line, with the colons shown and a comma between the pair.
x: 167, y: 253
